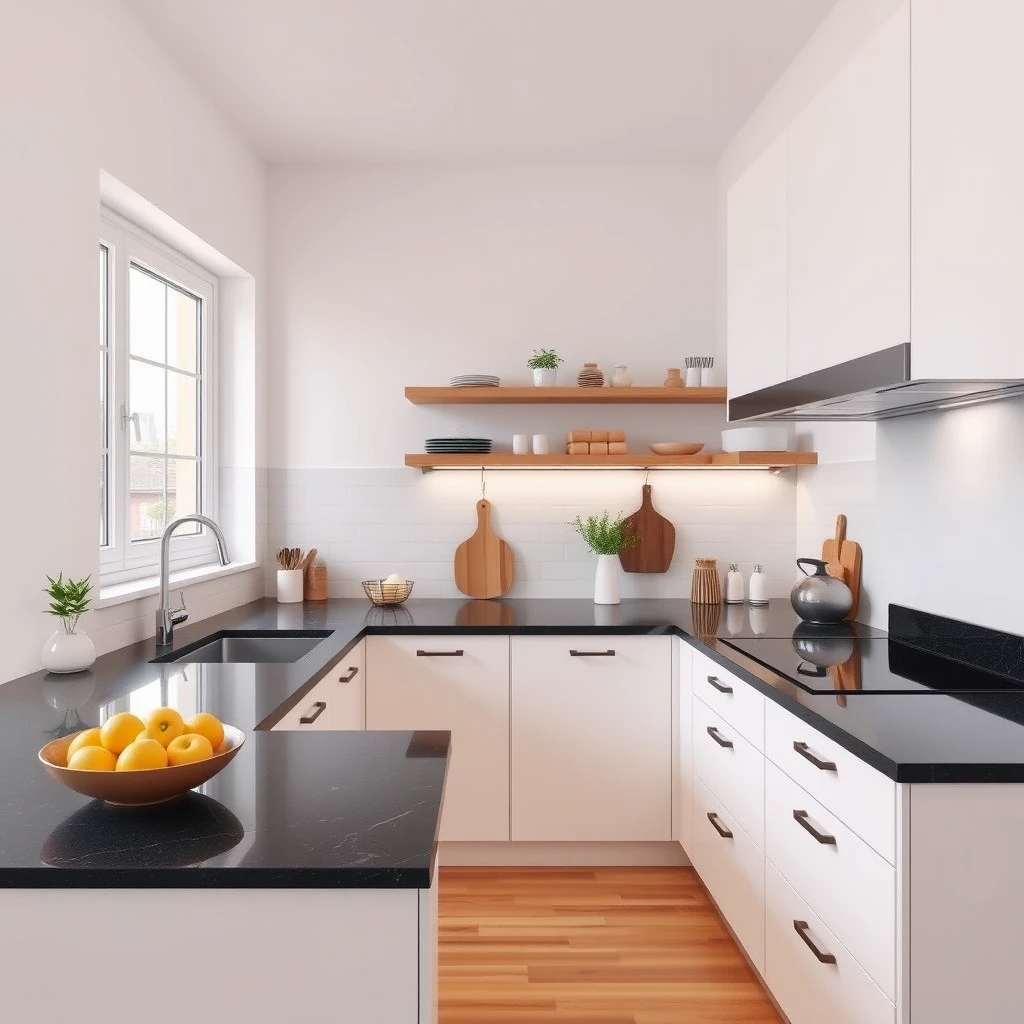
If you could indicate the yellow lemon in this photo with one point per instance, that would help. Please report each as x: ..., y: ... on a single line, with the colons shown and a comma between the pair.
x: 207, y: 725
x: 188, y: 748
x: 164, y: 725
x: 88, y: 738
x: 92, y: 759
x: 119, y: 730
x: 143, y: 753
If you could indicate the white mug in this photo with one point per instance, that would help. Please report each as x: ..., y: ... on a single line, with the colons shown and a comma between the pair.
x: 520, y: 444
x: 540, y: 444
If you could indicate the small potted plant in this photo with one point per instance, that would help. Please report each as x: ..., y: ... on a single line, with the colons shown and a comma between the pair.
x: 68, y: 648
x: 606, y: 537
x: 544, y: 362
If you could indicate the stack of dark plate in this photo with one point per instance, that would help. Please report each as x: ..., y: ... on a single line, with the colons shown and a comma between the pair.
x: 458, y: 445
x: 474, y: 380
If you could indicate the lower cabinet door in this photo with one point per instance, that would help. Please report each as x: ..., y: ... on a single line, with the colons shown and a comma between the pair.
x: 811, y: 974
x: 338, y: 699
x: 459, y: 684
x: 731, y: 865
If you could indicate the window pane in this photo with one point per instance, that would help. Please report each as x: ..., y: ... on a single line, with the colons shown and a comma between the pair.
x: 182, y: 414
x: 104, y: 485
x: 146, y: 387
x: 182, y: 330
x: 147, y: 300
x: 104, y: 400
x: 146, y: 516
x: 183, y: 490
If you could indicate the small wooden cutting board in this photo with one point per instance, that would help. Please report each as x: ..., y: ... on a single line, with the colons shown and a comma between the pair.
x: 484, y: 566
x: 653, y: 551
x: 844, y: 560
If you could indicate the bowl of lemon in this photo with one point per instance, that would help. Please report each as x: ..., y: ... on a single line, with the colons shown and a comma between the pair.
x: 131, y: 762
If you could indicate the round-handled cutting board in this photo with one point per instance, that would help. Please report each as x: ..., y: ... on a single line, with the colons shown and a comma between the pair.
x: 657, y: 539
x: 484, y: 566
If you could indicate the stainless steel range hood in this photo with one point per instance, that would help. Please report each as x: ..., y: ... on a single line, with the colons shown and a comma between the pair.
x: 872, y: 387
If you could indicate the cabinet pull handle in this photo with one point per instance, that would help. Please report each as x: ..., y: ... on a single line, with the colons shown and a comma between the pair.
x: 440, y: 654
x: 719, y: 685
x: 353, y: 671
x: 318, y: 708
x: 718, y: 826
x: 591, y: 654
x: 800, y: 927
x: 718, y: 737
x: 802, y: 819
x: 804, y: 751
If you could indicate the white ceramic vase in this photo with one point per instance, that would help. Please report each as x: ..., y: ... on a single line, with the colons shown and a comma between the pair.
x: 606, y: 581
x: 68, y: 652
x: 544, y: 378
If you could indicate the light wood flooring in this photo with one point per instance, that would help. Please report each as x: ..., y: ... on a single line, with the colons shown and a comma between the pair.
x: 589, y: 946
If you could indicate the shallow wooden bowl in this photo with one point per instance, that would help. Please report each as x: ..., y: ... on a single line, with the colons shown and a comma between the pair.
x: 137, y: 789
x: 676, y: 448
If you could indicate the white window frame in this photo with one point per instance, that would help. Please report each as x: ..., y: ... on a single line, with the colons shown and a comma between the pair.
x: 123, y: 560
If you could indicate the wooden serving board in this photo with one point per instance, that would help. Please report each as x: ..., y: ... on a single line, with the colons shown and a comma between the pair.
x: 484, y: 566
x: 844, y: 560
x: 653, y: 552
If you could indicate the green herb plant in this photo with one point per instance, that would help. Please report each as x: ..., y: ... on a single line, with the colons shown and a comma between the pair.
x: 544, y: 359
x: 604, y: 535
x: 69, y: 600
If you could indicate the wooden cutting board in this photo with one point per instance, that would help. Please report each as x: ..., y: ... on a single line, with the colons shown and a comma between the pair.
x: 484, y: 565
x: 844, y: 560
x: 653, y: 551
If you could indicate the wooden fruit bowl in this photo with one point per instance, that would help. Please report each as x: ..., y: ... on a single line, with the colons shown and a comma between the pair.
x: 138, y: 789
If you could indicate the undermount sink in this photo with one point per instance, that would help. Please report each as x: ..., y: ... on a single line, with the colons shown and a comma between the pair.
x: 263, y: 647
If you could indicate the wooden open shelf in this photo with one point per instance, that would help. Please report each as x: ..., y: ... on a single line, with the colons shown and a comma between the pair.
x: 639, y: 460
x: 566, y: 396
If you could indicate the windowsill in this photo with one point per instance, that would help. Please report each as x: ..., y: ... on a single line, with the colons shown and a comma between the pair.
x: 122, y: 593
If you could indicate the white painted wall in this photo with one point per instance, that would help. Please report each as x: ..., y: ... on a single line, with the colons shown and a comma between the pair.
x: 83, y: 88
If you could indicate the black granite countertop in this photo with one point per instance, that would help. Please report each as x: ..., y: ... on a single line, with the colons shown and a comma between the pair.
x: 337, y: 809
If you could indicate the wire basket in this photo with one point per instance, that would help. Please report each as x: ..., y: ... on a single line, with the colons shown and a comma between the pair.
x: 387, y: 594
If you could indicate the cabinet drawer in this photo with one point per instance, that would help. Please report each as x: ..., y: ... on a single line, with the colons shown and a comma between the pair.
x: 849, y: 886
x: 337, y: 701
x: 731, y: 865
x: 737, y: 702
x: 731, y: 768
x: 809, y: 990
x: 860, y: 797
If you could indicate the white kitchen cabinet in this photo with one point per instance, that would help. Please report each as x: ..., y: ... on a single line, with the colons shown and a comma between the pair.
x: 338, y: 699
x: 848, y: 207
x: 682, y: 815
x: 460, y: 684
x: 756, y: 273
x: 591, y: 739
x: 968, y: 216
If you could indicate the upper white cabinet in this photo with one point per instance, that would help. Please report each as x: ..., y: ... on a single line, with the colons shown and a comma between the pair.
x: 968, y: 212
x: 756, y: 274
x: 848, y: 208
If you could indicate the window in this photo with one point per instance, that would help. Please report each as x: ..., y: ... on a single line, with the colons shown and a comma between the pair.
x: 156, y: 444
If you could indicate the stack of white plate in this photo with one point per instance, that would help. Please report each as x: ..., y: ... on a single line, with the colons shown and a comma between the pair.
x: 458, y: 445
x: 475, y: 380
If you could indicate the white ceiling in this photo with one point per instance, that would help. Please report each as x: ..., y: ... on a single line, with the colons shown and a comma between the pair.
x: 485, y: 80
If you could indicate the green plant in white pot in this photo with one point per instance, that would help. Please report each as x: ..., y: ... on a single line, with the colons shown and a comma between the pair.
x: 68, y: 648
x: 606, y: 537
x: 545, y: 363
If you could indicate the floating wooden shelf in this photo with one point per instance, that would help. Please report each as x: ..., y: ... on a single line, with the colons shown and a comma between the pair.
x: 566, y: 396
x: 719, y: 460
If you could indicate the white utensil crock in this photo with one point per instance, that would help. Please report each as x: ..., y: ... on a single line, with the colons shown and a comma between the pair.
x: 289, y: 586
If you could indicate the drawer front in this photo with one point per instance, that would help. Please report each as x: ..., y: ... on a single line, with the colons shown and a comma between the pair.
x: 337, y: 701
x: 730, y: 767
x: 737, y: 702
x: 732, y: 867
x: 807, y: 985
x: 858, y: 795
x: 849, y: 886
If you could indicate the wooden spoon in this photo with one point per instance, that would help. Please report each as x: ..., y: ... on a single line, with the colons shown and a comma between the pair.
x: 306, y: 562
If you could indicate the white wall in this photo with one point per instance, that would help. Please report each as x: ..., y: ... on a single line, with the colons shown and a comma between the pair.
x: 83, y: 88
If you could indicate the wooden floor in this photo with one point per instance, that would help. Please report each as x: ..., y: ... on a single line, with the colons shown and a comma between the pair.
x: 589, y: 946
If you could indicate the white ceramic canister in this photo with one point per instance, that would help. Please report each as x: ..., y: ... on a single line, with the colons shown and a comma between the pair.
x: 540, y: 444
x: 734, y: 585
x: 520, y: 444
x: 289, y: 586
x: 758, y: 594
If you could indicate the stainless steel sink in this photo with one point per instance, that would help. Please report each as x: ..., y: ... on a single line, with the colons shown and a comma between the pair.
x: 230, y: 647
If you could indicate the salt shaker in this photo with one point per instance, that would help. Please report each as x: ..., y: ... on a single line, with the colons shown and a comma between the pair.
x: 734, y: 585
x: 758, y: 587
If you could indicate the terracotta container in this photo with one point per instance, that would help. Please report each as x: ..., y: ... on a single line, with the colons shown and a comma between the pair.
x: 316, y: 581
x: 674, y: 378
x: 591, y: 376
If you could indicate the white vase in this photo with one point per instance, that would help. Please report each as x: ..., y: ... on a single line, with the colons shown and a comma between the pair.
x: 68, y: 652
x: 544, y: 378
x: 606, y: 581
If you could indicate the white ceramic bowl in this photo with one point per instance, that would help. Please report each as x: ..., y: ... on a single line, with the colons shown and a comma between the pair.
x: 756, y: 439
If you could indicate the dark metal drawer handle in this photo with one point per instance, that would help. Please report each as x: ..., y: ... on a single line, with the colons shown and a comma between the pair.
x: 719, y: 685
x: 718, y: 737
x: 591, y: 654
x: 718, y: 826
x: 353, y: 671
x: 802, y: 819
x: 318, y: 708
x: 804, y: 751
x: 801, y: 927
x: 439, y: 654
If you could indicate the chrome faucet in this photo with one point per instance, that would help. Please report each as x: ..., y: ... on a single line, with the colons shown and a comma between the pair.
x: 166, y: 617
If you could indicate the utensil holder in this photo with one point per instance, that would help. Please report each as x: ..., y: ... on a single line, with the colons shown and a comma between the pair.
x: 705, y: 587
x: 289, y: 586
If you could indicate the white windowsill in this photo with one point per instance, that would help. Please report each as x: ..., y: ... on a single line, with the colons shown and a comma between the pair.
x: 122, y: 593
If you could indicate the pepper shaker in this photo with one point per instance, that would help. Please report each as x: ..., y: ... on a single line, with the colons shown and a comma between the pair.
x: 758, y: 587
x: 734, y: 585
